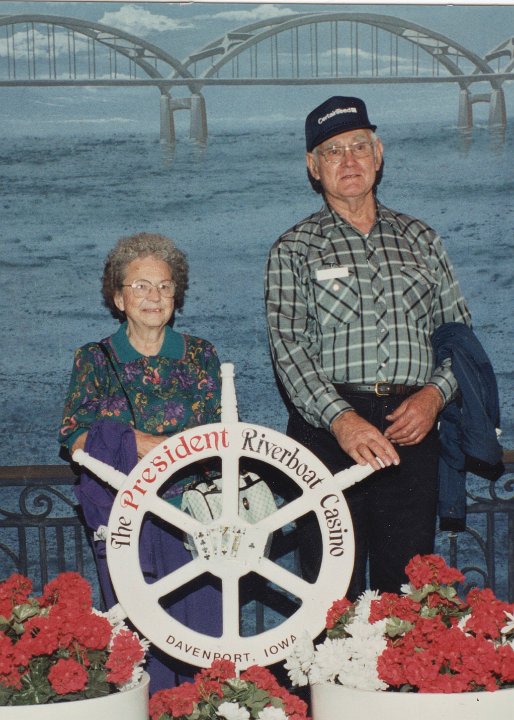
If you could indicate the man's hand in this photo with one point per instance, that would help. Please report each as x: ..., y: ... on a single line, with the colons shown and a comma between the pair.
x: 363, y: 442
x: 415, y: 417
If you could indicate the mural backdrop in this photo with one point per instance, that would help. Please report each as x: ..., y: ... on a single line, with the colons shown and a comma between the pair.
x: 84, y: 162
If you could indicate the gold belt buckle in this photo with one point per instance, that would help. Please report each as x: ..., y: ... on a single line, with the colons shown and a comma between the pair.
x: 377, y: 389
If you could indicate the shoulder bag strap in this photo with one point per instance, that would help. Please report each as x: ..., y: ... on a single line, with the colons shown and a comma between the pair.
x: 103, y: 347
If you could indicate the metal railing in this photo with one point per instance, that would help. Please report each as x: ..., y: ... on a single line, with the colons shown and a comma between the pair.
x: 41, y: 532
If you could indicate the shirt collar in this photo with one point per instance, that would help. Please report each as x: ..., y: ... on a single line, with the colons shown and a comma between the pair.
x: 330, y: 219
x: 172, y: 347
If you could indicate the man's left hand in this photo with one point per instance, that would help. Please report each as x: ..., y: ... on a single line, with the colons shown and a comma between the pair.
x: 415, y: 417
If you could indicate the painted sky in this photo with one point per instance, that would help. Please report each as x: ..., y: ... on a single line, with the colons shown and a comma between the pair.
x: 165, y: 22
x: 183, y: 28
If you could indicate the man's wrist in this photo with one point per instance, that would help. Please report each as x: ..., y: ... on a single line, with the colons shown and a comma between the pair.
x: 338, y: 419
x: 438, y: 393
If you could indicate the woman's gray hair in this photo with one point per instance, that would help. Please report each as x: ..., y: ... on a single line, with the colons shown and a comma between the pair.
x: 142, y: 245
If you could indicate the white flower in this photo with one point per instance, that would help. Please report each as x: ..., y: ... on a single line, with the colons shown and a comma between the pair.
x: 116, y: 615
x: 349, y: 661
x: 509, y: 627
x: 272, y: 713
x: 363, y: 606
x: 329, y: 658
x: 232, y: 711
x: 300, y: 660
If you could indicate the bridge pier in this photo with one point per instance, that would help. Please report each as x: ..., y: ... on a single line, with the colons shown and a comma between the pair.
x: 497, y: 110
x: 198, y: 119
x: 167, y: 133
x: 197, y: 113
x: 465, y: 119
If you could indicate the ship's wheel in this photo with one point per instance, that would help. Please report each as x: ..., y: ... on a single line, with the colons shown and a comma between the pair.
x: 229, y: 548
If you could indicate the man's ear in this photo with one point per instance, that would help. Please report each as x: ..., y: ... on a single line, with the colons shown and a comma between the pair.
x: 312, y: 165
x: 379, y: 154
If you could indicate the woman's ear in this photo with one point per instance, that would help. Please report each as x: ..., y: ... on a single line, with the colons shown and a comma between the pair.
x: 118, y: 300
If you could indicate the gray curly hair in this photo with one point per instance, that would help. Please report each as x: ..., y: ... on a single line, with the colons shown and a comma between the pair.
x: 141, y: 245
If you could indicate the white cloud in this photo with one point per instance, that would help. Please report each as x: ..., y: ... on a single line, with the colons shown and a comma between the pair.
x: 137, y: 20
x: 260, y: 12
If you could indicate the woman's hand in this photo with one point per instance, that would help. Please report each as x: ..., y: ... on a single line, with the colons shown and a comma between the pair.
x: 79, y: 443
x: 146, y: 442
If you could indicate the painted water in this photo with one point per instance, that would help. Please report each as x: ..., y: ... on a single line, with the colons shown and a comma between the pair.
x: 67, y: 197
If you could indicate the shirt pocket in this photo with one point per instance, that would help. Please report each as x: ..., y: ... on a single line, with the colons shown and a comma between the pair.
x: 337, y: 300
x: 419, y: 287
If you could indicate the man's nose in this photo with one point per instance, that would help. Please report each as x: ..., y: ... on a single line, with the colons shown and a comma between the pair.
x: 348, y: 156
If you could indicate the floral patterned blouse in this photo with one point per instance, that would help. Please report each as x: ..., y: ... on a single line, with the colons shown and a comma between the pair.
x: 170, y: 392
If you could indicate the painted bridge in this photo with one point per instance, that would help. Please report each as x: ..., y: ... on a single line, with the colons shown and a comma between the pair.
x: 331, y: 48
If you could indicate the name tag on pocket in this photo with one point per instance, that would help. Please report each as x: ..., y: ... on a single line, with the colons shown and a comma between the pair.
x: 332, y: 272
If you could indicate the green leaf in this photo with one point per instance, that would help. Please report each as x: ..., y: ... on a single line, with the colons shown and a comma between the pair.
x: 395, y: 627
x: 21, y: 613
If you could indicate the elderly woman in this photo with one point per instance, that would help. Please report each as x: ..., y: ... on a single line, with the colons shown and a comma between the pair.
x: 130, y: 391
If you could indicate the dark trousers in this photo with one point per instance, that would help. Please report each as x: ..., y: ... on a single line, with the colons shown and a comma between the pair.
x: 393, y: 510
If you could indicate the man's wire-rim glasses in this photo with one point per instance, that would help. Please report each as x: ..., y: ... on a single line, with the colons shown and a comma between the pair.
x: 336, y: 153
x: 143, y: 288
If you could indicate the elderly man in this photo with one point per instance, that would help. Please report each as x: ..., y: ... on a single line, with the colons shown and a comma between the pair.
x: 354, y: 293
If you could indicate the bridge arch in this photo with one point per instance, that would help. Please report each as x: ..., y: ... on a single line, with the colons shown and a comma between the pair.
x: 350, y: 48
x: 330, y: 47
x: 50, y: 49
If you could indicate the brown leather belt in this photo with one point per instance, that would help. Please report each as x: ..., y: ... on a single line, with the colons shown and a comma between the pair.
x: 381, y: 389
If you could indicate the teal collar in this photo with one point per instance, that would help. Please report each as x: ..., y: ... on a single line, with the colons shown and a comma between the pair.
x: 172, y: 347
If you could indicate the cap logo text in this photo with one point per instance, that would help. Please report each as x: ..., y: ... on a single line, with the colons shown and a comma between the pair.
x: 337, y: 111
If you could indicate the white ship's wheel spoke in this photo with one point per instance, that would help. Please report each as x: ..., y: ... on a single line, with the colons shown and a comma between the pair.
x: 174, y: 581
x: 230, y: 488
x: 284, y: 578
x: 172, y: 515
x: 231, y: 606
x: 288, y: 513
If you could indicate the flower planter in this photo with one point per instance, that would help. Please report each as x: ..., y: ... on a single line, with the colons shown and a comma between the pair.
x: 332, y: 701
x: 129, y: 705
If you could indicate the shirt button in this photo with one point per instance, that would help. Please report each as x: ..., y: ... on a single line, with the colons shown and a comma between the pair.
x: 335, y: 287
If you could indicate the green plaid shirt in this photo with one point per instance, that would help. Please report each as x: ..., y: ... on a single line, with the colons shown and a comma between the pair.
x: 346, y: 307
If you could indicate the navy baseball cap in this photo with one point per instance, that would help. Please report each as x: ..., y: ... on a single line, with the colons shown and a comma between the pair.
x: 336, y: 115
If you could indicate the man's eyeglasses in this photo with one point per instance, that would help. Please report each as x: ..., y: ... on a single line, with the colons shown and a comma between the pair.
x: 336, y: 153
x: 143, y: 288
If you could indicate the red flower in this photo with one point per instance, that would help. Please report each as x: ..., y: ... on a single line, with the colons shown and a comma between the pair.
x: 263, y: 678
x: 176, y: 702
x: 69, y: 589
x: 294, y: 706
x: 67, y: 676
x: 92, y: 631
x: 338, y: 609
x: 8, y: 665
x: 487, y: 613
x: 506, y: 663
x: 159, y: 704
x: 40, y: 637
x: 14, y: 591
x: 431, y: 570
x: 207, y: 687
x: 391, y: 605
x: 126, y: 652
x: 219, y: 670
